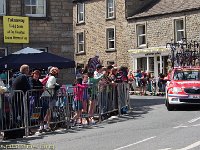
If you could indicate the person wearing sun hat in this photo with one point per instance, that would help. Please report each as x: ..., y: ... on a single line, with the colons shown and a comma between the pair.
x: 50, y: 92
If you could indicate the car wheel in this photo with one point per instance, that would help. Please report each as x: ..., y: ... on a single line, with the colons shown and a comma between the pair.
x: 169, y: 106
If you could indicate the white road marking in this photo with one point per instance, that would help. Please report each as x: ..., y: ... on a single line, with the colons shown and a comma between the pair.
x: 196, y: 125
x: 193, y: 120
x: 180, y: 126
x: 165, y: 149
x: 135, y: 143
x: 191, y: 146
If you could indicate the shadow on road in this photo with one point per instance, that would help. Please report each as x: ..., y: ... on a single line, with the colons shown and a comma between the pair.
x: 187, y: 108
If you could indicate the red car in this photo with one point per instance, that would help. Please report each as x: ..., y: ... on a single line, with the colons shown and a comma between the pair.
x: 183, y: 87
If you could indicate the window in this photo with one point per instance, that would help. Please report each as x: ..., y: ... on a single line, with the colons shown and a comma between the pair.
x: 110, y: 9
x: 80, y: 13
x: 2, y: 7
x: 35, y: 8
x: 110, y: 38
x: 179, y: 29
x: 187, y: 75
x: 109, y: 63
x: 80, y: 42
x: 141, y: 35
x: 3, y: 52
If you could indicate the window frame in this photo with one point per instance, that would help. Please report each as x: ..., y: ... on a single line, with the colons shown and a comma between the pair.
x: 110, y: 62
x: 5, y: 51
x: 108, y: 40
x: 44, y: 49
x: 110, y: 12
x: 141, y: 35
x: 4, y: 8
x: 37, y: 15
x: 79, y: 12
x: 175, y: 20
x: 80, y: 43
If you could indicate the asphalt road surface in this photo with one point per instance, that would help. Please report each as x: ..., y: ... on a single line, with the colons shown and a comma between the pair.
x: 149, y: 126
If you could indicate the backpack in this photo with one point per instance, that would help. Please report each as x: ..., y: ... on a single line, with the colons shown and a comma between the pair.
x: 44, y: 80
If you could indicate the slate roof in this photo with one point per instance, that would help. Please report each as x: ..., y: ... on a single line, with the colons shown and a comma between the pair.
x: 167, y: 7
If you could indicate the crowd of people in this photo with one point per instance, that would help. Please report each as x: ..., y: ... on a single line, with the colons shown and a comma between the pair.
x: 25, y: 81
x: 85, y: 97
x: 145, y: 81
x: 99, y: 77
x: 88, y: 82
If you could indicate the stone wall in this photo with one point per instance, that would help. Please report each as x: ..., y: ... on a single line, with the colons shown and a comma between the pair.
x: 160, y: 29
x: 95, y: 32
x: 54, y: 32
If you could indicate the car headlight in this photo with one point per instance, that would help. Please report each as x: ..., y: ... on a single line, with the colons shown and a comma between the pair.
x: 176, y: 90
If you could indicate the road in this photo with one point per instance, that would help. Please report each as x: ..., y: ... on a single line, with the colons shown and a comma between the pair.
x: 149, y: 126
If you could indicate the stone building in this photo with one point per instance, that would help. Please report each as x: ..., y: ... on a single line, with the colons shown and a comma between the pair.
x: 99, y: 30
x: 155, y: 23
x: 133, y: 32
x: 50, y: 27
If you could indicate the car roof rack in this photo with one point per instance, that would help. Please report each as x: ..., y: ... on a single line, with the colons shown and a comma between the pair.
x: 184, y: 53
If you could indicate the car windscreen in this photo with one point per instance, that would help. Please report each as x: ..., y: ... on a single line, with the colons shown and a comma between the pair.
x: 187, y: 75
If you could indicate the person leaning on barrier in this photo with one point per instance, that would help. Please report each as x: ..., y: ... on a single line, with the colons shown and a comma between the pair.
x: 93, y: 93
x: 49, y: 94
x: 20, y: 80
x: 34, y: 80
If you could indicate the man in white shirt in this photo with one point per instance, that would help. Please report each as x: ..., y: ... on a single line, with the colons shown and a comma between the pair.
x: 98, y: 73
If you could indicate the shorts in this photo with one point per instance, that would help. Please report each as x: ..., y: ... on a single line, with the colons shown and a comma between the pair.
x: 77, y: 105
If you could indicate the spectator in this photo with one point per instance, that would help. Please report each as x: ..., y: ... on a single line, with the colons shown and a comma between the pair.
x: 143, y: 81
x: 79, y: 72
x: 85, y: 97
x: 93, y: 94
x: 131, y: 80
x: 2, y: 87
x: 98, y: 73
x: 20, y: 80
x: 161, y: 82
x: 49, y: 94
x: 78, y: 100
x: 34, y: 96
x: 138, y: 77
x: 34, y: 80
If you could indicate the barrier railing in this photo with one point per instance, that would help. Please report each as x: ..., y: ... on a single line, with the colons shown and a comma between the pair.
x: 12, y: 111
x: 30, y: 110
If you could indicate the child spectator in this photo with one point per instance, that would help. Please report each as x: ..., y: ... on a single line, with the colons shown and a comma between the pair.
x: 143, y: 80
x: 93, y: 94
x: 131, y: 79
x: 78, y: 99
x: 85, y: 97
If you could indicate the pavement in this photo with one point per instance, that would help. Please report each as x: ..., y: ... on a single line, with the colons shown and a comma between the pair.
x: 146, y: 97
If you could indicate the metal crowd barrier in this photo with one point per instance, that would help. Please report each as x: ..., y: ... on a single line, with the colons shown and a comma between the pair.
x: 27, y: 111
x: 151, y: 88
x: 12, y: 111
